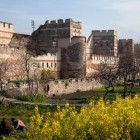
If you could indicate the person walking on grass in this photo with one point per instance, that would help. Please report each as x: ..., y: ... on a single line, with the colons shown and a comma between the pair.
x: 18, y: 124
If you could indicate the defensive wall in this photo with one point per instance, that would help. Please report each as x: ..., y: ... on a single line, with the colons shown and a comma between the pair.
x: 72, y: 56
x: 6, y: 33
x: 104, y: 32
x: 103, y: 42
x: 93, y: 63
x: 73, y: 61
x: 125, y: 45
x: 58, y: 29
x: 72, y: 85
x: 19, y: 40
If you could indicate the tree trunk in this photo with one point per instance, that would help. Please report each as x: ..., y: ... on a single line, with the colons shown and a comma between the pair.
x: 1, y: 84
x: 104, y: 97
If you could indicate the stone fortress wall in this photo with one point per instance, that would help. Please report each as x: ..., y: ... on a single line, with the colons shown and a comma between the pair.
x: 67, y: 36
x: 103, y: 42
x: 6, y: 33
x: 72, y: 85
x: 64, y: 29
x: 93, y: 63
x: 125, y: 45
x: 73, y: 62
x: 72, y: 55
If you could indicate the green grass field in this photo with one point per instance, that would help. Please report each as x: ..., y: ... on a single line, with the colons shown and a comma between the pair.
x: 22, y: 112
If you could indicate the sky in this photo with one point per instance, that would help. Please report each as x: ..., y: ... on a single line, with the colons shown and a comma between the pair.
x: 119, y: 15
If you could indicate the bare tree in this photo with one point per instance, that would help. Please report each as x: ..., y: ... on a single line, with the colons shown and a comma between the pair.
x: 36, y: 73
x: 26, y: 61
x: 128, y: 70
x: 107, y: 75
x: 4, y: 66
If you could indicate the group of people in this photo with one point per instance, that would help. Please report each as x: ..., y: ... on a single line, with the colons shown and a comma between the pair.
x: 6, y: 128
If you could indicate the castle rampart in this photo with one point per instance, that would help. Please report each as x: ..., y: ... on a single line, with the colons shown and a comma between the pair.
x: 6, y: 33
x: 59, y: 45
x: 63, y: 29
x: 104, y: 32
x: 103, y: 42
x: 93, y: 63
x: 72, y: 85
x: 125, y: 46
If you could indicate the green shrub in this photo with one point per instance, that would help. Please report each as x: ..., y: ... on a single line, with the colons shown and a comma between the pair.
x: 23, y: 97
x: 30, y: 98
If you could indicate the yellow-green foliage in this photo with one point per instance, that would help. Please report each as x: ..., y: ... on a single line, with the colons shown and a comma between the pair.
x: 103, y: 121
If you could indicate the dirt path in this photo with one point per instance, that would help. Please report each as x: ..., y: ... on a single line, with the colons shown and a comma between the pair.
x: 74, y: 95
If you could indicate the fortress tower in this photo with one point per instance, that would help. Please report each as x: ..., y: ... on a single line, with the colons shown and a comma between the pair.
x: 63, y: 29
x: 103, y: 42
x: 55, y: 36
x: 53, y: 30
x: 125, y: 46
x: 6, y: 33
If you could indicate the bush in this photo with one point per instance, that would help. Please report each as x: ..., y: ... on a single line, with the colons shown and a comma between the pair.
x: 118, y: 120
x: 23, y: 97
x: 78, y: 90
x: 30, y: 98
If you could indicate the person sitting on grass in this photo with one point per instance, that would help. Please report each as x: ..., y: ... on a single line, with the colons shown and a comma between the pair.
x: 18, y: 124
x: 5, y: 127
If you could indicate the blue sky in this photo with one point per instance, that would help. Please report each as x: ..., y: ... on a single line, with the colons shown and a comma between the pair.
x: 120, y: 15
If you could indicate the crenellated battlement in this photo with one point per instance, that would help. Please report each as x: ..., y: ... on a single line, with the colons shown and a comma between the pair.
x: 61, y: 21
x: 97, y: 59
x: 6, y: 33
x: 126, y: 40
x: 61, y: 28
x: 103, y: 32
x: 5, y: 23
x: 6, y: 26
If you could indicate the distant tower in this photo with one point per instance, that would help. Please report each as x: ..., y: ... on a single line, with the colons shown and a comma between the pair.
x: 33, y: 24
x: 103, y: 42
x: 125, y: 46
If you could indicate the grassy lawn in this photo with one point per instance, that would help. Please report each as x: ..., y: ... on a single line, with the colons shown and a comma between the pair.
x: 119, y: 89
x: 99, y: 93
x: 22, y: 112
